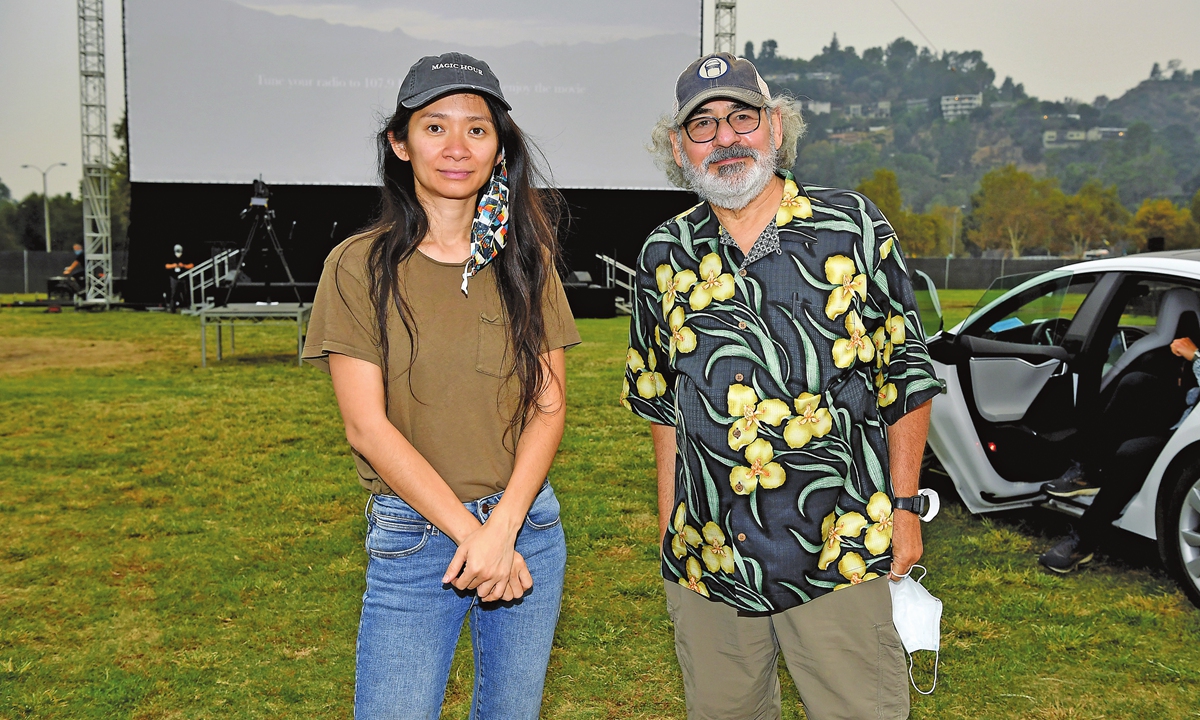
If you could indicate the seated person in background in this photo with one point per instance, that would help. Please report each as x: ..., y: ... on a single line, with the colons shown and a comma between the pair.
x: 1123, y: 441
x: 74, y: 271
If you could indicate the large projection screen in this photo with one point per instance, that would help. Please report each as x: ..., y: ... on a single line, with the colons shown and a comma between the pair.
x: 221, y: 91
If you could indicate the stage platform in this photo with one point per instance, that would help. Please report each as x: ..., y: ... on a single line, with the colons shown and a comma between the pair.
x: 255, y: 313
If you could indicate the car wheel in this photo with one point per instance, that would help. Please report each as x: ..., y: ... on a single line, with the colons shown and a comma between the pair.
x: 1179, y: 531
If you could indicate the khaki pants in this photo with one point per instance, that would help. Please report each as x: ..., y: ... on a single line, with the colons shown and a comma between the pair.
x: 842, y: 650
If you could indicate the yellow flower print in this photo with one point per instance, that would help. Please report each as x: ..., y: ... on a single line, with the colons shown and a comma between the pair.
x: 671, y: 283
x: 887, y: 395
x: 625, y: 394
x: 879, y: 534
x: 858, y: 344
x: 744, y: 405
x: 685, y: 535
x: 833, y: 532
x: 852, y: 567
x: 651, y: 385
x: 811, y: 421
x: 794, y: 204
x: 712, y: 285
x: 883, y: 347
x: 762, y: 470
x: 717, y: 555
x: 682, y: 338
x: 895, y: 328
x: 841, y: 271
x: 692, y: 581
x: 633, y: 361
x: 886, y: 248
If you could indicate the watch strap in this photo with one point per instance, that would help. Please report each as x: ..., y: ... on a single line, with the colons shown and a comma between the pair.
x: 917, y: 504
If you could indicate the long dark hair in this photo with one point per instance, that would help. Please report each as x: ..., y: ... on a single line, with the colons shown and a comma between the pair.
x: 522, y: 270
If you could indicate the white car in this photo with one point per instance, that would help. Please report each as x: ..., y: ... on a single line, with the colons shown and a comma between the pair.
x: 1033, y: 357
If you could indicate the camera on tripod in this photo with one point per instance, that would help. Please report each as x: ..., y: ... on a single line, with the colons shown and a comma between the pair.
x: 262, y: 217
x: 258, y: 200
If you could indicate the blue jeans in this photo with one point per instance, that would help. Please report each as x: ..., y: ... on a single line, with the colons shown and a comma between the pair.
x: 411, y: 621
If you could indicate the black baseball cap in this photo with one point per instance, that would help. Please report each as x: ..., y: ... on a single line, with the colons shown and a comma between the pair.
x: 718, y: 75
x: 436, y: 75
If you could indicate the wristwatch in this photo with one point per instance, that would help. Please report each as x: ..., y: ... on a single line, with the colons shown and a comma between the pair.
x: 916, y: 504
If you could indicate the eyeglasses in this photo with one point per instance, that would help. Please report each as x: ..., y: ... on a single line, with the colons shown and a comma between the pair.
x: 742, y: 121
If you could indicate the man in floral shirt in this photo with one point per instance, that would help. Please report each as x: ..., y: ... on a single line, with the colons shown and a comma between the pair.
x: 776, y: 349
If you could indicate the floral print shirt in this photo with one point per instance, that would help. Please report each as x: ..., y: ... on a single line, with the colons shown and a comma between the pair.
x: 780, y: 377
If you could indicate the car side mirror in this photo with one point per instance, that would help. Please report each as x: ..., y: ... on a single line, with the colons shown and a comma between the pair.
x: 927, y: 303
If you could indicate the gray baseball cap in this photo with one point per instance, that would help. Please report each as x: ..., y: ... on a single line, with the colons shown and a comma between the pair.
x: 436, y: 75
x: 718, y: 75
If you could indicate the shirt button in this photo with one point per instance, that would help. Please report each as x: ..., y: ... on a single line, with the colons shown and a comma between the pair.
x: 739, y: 377
x: 741, y: 537
x: 741, y: 325
x: 742, y: 272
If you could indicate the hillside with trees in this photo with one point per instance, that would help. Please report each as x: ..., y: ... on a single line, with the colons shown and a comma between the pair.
x: 960, y: 146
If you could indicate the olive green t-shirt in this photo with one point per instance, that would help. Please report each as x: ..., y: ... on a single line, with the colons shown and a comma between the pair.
x: 454, y: 403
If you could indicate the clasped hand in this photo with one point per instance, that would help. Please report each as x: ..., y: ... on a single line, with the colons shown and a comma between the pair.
x: 488, y: 563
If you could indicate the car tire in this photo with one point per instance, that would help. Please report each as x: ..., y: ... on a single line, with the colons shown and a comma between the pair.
x: 1179, y: 530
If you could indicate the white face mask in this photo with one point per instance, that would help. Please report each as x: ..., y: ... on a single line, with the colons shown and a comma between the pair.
x: 917, y: 616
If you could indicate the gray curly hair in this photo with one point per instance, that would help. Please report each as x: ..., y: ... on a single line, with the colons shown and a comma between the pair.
x: 662, y: 149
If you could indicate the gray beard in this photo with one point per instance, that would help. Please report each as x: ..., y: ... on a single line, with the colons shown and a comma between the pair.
x: 736, y: 185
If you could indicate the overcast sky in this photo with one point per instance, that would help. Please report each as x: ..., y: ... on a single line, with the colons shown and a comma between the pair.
x: 1057, y: 48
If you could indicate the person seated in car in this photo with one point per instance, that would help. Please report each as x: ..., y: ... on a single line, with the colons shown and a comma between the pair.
x: 1123, y: 441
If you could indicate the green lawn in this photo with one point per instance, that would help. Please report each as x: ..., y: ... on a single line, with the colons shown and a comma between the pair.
x: 180, y: 542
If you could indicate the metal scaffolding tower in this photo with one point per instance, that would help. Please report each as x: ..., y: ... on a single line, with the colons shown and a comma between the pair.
x: 725, y: 27
x: 93, y: 107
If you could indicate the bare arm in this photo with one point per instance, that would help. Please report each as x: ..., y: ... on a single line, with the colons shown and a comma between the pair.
x: 664, y: 460
x: 358, y: 385
x: 71, y: 268
x: 535, y: 453
x: 906, y: 446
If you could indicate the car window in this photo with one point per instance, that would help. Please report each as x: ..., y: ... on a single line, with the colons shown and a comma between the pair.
x: 1039, y: 315
x: 1139, y: 314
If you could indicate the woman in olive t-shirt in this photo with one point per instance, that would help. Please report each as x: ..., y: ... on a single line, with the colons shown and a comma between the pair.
x: 443, y: 326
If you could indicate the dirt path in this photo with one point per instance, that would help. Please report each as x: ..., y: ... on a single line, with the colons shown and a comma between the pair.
x: 26, y: 354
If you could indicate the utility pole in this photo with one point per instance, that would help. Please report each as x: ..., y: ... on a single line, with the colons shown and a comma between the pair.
x: 93, y: 107
x: 725, y: 27
x: 45, y: 196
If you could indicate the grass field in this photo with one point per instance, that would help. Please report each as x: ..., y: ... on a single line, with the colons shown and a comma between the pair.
x: 178, y: 542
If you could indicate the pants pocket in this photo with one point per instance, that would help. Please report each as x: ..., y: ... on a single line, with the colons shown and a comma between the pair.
x: 893, y: 674
x: 391, y: 537
x: 544, y: 513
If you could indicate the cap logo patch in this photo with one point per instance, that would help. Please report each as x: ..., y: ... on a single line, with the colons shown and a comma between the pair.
x: 455, y: 66
x: 713, y: 68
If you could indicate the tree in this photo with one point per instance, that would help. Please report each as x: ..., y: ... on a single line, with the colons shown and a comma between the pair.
x: 1011, y: 210
x: 766, y: 51
x: 749, y: 53
x: 1093, y: 216
x: 119, y: 188
x: 884, y: 190
x: 1156, y: 72
x: 5, y: 193
x: 1158, y: 217
x: 919, y: 234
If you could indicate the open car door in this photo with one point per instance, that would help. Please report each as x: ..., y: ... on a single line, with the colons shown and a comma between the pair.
x: 1018, y: 363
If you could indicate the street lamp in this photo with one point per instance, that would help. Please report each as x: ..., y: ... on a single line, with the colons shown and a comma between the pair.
x: 45, y: 196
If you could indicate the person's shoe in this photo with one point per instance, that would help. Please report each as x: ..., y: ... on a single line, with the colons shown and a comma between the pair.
x: 1072, y: 483
x: 1067, y: 555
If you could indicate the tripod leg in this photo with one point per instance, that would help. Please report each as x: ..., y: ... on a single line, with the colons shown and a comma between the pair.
x: 282, y: 259
x: 245, y: 253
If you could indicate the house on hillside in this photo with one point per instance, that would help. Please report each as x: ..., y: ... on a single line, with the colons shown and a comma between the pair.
x: 816, y: 107
x: 959, y: 106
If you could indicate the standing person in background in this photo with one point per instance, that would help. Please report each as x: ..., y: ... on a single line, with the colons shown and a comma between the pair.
x: 75, y: 271
x: 443, y: 326
x: 776, y: 350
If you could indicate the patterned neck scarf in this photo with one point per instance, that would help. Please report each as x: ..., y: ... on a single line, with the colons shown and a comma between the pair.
x: 489, y: 231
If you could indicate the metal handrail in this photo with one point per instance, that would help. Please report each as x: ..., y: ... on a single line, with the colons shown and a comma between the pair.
x: 612, y: 279
x: 208, y: 274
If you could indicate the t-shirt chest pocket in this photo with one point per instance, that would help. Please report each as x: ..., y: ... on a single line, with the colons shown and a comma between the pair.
x: 491, y: 352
